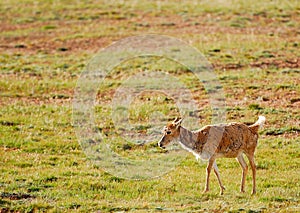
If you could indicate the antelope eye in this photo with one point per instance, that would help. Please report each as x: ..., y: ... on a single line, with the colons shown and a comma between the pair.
x: 168, y: 132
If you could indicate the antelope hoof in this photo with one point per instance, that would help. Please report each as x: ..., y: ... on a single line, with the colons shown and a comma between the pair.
x: 222, y: 190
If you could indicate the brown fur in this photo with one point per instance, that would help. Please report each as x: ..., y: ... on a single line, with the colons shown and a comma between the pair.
x: 216, y: 141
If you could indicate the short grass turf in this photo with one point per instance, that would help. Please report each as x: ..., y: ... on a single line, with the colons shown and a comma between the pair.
x: 45, y: 45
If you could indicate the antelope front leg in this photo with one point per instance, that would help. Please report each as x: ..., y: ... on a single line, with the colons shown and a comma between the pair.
x: 208, y: 170
x: 216, y: 170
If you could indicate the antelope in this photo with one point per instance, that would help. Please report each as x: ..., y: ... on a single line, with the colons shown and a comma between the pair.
x: 230, y: 140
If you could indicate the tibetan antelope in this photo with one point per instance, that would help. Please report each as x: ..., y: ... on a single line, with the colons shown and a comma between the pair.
x: 217, y: 141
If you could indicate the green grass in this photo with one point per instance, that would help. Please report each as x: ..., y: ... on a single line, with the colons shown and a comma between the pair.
x: 45, y: 45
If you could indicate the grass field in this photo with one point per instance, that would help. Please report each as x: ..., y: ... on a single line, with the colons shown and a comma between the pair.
x: 45, y: 45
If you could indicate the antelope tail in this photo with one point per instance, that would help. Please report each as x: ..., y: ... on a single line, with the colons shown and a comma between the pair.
x: 258, y: 124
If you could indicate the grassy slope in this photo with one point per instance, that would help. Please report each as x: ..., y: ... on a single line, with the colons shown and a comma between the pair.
x: 254, y: 48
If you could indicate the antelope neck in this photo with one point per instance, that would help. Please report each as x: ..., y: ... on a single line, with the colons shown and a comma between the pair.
x: 187, y: 138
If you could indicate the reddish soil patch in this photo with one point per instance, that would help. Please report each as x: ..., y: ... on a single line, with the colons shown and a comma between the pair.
x: 277, y: 63
x: 15, y: 196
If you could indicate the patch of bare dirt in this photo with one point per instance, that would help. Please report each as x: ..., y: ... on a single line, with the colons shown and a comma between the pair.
x: 60, y: 98
x: 291, y: 63
x: 195, y: 27
x: 15, y: 196
x: 277, y: 63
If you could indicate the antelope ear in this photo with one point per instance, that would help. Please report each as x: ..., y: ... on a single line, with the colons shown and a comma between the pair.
x: 178, y: 122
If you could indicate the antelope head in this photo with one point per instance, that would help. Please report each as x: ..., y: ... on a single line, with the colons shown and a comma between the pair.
x: 170, y: 133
